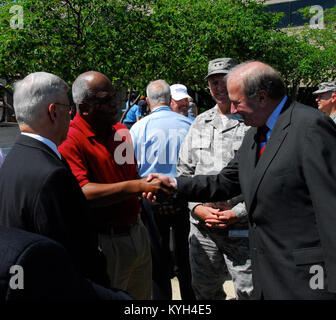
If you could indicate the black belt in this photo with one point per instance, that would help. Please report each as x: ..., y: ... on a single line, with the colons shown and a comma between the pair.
x: 169, y: 208
x: 117, y: 229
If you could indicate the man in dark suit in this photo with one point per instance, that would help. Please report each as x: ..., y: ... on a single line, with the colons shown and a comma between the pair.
x: 286, y: 171
x: 38, y: 192
x: 33, y: 267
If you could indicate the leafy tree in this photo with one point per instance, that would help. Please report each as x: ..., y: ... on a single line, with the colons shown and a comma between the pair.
x: 136, y: 41
x: 324, y: 40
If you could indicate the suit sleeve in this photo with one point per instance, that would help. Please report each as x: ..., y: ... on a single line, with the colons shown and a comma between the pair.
x: 319, y: 169
x: 210, y: 188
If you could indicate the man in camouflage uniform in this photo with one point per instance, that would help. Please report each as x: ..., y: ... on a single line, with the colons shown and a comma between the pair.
x: 216, y: 248
x: 326, y: 98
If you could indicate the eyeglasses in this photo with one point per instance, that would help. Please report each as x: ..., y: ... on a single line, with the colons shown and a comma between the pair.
x: 66, y: 105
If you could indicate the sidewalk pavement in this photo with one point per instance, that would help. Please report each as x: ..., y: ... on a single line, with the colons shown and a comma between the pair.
x: 228, y: 288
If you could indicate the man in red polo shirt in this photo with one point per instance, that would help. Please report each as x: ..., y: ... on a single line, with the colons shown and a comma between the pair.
x: 101, y: 157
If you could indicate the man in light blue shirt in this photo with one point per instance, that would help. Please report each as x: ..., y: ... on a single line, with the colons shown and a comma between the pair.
x: 157, y: 139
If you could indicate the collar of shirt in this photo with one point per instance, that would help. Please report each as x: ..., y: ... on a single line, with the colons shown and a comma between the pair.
x: 160, y: 108
x: 270, y: 123
x: 83, y: 126
x: 223, y: 122
x: 46, y: 141
x: 230, y: 116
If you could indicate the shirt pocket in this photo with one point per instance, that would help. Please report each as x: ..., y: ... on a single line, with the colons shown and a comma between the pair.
x: 202, y: 149
x: 201, y: 141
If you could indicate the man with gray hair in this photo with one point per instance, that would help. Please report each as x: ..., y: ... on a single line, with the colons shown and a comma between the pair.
x: 157, y: 139
x: 326, y: 98
x: 285, y: 168
x: 38, y: 192
x: 95, y: 148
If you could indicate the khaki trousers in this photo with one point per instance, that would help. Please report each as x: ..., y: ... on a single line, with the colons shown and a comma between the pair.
x: 129, y: 262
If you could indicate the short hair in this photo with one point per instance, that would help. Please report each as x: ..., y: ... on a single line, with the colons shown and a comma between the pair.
x: 80, y: 90
x: 158, y: 91
x: 34, y: 94
x: 267, y: 79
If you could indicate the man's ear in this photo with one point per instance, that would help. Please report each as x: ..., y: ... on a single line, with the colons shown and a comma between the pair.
x: 147, y: 100
x: 262, y: 95
x: 333, y: 97
x: 52, y: 111
x: 172, y: 102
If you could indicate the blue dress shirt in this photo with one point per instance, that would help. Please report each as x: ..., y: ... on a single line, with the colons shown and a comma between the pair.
x: 157, y: 139
x: 270, y: 123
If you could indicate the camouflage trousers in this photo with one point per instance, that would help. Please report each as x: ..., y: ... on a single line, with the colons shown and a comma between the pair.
x: 215, y: 256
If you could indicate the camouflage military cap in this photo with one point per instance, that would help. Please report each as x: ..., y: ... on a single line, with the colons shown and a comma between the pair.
x: 220, y: 65
x: 326, y: 87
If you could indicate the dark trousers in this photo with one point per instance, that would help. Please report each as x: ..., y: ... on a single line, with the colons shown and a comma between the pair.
x: 164, y: 260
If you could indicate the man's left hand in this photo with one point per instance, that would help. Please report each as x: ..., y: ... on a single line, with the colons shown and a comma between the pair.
x: 226, y: 217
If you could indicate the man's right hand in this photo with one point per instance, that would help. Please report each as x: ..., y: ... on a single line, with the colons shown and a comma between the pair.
x: 162, y: 177
x: 151, y: 196
x: 156, y: 185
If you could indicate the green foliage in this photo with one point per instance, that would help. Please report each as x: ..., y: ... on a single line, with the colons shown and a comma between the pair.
x: 322, y: 60
x: 134, y: 42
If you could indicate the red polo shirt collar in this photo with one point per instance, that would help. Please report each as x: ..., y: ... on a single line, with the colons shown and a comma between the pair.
x: 84, y: 126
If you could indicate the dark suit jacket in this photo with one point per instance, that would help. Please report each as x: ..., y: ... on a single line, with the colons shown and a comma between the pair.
x: 47, y: 272
x: 39, y: 194
x: 290, y: 195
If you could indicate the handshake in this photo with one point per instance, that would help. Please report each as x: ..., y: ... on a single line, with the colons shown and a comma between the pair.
x: 158, y: 187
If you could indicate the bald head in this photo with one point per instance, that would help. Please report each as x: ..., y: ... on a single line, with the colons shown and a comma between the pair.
x: 95, y: 99
x: 255, y: 90
x: 87, y: 85
x: 254, y: 76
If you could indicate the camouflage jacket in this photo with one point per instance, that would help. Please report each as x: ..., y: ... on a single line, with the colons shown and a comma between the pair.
x: 209, y: 146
